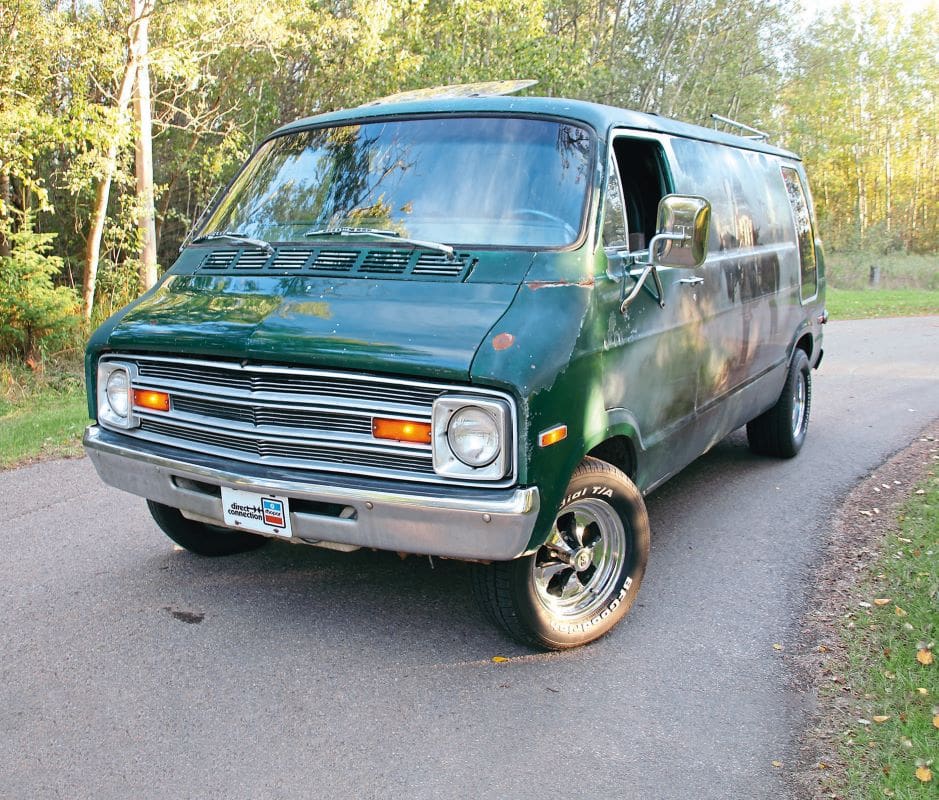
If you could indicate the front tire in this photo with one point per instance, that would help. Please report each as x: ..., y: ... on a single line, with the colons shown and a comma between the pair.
x: 781, y: 431
x: 199, y: 538
x: 586, y: 575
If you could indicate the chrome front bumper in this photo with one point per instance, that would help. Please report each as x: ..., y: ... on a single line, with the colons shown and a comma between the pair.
x: 489, y: 525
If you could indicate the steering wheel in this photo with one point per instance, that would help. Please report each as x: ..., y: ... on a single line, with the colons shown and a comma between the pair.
x: 539, y: 214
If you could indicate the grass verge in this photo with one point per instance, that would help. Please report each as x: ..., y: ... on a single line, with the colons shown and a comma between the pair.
x: 851, y: 270
x: 889, y: 745
x: 42, y: 412
x: 870, y: 303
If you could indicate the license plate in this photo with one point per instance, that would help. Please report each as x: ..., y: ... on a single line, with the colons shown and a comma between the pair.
x: 250, y: 511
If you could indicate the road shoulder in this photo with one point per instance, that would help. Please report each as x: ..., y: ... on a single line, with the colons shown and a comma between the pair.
x: 859, y: 531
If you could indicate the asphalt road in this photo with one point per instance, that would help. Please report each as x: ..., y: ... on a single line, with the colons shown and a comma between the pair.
x: 130, y: 669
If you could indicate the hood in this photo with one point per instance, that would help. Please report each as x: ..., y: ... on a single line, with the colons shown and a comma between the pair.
x: 425, y: 328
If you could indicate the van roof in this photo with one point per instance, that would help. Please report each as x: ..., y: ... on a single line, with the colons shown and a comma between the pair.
x: 601, y: 118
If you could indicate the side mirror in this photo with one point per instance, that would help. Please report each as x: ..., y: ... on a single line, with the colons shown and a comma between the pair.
x: 684, y: 222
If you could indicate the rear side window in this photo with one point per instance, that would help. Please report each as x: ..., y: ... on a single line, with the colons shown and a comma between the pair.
x: 803, y: 223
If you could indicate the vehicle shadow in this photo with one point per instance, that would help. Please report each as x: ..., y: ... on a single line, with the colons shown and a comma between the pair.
x: 384, y: 602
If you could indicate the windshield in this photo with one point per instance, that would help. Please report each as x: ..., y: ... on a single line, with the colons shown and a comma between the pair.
x: 473, y: 180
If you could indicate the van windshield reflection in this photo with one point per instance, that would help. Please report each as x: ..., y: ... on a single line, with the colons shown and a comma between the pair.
x: 490, y: 181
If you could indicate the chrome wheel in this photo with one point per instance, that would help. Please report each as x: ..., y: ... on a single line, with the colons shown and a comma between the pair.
x: 577, y: 568
x: 798, y: 404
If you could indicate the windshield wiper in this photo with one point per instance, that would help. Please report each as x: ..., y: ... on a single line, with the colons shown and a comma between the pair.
x: 380, y: 233
x: 241, y: 238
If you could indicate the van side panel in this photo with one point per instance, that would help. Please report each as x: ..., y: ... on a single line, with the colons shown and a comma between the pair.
x: 750, y: 298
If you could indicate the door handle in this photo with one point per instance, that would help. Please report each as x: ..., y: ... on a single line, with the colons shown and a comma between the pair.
x: 691, y: 281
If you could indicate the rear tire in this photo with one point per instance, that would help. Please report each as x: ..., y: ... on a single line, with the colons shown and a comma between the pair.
x: 780, y: 432
x: 586, y: 575
x: 199, y: 538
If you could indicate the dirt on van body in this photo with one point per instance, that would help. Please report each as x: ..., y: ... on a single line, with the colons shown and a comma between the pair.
x: 859, y: 531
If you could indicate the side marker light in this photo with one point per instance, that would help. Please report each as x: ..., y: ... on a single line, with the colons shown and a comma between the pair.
x: 552, y: 435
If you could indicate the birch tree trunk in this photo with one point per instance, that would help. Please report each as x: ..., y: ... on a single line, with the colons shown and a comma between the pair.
x: 4, y: 210
x: 100, y: 208
x: 143, y: 151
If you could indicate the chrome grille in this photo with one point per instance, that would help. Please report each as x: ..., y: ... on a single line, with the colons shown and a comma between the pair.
x: 287, y: 453
x: 288, y: 416
x: 258, y: 416
x: 391, y: 262
x: 285, y: 380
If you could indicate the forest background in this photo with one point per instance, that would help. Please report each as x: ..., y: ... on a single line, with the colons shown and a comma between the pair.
x: 119, y: 119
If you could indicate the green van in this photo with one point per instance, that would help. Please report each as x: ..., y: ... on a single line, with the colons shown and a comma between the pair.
x: 479, y: 328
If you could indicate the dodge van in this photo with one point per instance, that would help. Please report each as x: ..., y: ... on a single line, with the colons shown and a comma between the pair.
x: 471, y: 327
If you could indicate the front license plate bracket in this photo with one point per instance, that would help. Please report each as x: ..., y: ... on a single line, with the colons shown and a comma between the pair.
x: 253, y: 511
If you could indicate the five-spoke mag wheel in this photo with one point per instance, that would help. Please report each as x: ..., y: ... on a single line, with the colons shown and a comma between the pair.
x: 582, y: 580
x: 581, y: 560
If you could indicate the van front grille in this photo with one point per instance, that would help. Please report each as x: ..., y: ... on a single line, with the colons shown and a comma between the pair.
x: 290, y: 417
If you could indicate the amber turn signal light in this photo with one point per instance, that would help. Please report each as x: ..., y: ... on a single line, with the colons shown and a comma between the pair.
x: 552, y: 435
x: 155, y: 401
x: 401, y: 430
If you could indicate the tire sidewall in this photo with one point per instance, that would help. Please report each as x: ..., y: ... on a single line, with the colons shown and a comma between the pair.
x: 562, y: 632
x: 199, y: 538
x: 798, y: 366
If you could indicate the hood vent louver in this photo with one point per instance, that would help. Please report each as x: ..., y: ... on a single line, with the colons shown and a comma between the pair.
x: 386, y: 262
x: 337, y: 262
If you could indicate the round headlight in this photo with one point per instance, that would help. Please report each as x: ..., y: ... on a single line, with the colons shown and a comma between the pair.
x: 473, y: 437
x: 117, y: 390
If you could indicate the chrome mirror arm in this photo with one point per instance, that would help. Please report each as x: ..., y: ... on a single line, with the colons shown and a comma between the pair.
x: 652, y: 267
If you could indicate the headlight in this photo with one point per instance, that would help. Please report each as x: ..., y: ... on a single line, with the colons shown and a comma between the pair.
x: 472, y: 437
x: 115, y: 389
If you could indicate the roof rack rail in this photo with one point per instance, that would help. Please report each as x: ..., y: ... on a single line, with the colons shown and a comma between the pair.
x: 755, y: 133
x: 479, y: 89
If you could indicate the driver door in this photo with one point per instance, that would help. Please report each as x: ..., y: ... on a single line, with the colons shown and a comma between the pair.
x: 653, y: 353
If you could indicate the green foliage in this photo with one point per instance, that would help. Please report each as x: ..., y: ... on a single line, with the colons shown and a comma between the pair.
x: 869, y: 303
x: 861, y: 108
x: 34, y: 314
x: 42, y: 411
x: 854, y: 92
x: 851, y: 269
x: 889, y: 745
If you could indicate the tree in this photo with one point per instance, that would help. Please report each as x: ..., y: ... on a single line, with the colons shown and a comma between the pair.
x: 33, y: 311
x: 861, y: 108
x: 141, y: 11
x: 100, y: 208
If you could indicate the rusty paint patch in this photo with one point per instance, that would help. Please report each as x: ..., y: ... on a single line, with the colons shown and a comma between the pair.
x: 502, y: 341
x: 536, y: 285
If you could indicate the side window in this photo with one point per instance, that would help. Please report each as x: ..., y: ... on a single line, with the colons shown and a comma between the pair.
x: 803, y: 223
x: 644, y: 182
x: 614, y: 220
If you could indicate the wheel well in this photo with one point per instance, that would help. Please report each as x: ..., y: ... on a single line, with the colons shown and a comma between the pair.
x: 618, y: 451
x: 805, y: 343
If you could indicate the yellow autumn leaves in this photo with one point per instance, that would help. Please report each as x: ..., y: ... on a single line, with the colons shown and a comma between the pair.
x: 884, y: 601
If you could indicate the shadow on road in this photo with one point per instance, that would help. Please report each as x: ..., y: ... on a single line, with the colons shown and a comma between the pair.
x: 384, y: 602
